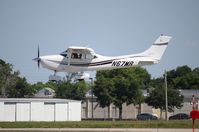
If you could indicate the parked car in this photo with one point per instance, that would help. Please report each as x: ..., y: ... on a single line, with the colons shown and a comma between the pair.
x: 180, y: 116
x: 146, y: 116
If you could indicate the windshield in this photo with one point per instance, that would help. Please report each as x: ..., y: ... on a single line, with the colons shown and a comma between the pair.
x: 64, y: 53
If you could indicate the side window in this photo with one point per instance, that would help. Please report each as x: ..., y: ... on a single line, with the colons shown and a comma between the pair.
x: 88, y: 56
x: 76, y: 56
x: 80, y: 56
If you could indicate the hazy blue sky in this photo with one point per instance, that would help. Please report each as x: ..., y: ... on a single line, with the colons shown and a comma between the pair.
x: 110, y: 27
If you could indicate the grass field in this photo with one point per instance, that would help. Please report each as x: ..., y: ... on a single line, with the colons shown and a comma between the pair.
x: 102, y: 124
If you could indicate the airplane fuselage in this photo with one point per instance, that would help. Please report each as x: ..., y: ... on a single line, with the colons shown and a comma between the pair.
x: 80, y: 59
x: 61, y: 64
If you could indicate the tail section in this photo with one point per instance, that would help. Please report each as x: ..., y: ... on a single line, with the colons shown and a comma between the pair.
x: 157, y: 49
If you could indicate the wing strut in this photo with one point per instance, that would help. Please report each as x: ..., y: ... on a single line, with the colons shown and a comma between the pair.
x: 69, y: 57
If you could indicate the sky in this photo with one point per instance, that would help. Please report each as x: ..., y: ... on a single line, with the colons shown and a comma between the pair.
x: 110, y: 27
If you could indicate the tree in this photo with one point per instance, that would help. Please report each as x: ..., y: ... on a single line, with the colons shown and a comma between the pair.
x: 8, y: 77
x: 79, y: 90
x: 120, y: 86
x: 103, y: 89
x: 11, y: 85
x: 156, y: 96
x: 69, y: 90
x: 21, y: 89
x: 183, y: 77
x: 64, y: 90
x: 126, y: 91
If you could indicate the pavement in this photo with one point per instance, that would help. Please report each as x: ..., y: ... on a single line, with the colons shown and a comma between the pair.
x: 95, y: 130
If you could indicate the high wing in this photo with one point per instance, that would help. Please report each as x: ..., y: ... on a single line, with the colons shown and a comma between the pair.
x: 84, y: 50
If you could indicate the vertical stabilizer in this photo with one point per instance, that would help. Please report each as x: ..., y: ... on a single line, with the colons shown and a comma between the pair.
x: 157, y: 49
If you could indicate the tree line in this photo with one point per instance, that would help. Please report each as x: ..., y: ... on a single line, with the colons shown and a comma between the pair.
x: 116, y: 86
x: 14, y: 86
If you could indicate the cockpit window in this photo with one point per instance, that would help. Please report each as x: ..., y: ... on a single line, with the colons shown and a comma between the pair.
x: 76, y: 56
x: 64, y: 53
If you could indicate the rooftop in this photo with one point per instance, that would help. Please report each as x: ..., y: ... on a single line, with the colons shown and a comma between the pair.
x: 23, y: 100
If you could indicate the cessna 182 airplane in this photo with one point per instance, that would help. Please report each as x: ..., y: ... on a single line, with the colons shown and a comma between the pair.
x: 81, y: 59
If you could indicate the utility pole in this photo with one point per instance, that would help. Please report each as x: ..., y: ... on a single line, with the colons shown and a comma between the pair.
x: 166, y: 99
x: 91, y: 96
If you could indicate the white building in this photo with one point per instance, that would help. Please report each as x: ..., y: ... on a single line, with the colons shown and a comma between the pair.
x: 45, y: 93
x: 34, y: 109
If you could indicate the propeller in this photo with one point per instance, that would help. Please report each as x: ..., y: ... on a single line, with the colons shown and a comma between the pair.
x: 38, y: 59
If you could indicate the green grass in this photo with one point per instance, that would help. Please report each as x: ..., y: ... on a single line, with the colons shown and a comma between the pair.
x: 102, y: 124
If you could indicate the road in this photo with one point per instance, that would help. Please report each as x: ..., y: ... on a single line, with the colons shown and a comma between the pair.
x: 94, y: 130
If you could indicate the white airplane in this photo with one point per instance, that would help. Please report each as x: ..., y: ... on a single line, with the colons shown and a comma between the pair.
x: 81, y: 59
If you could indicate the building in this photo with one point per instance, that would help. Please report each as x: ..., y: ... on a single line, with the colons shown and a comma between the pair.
x: 112, y: 112
x: 45, y: 93
x: 187, y: 105
x: 131, y: 111
x: 35, y: 109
